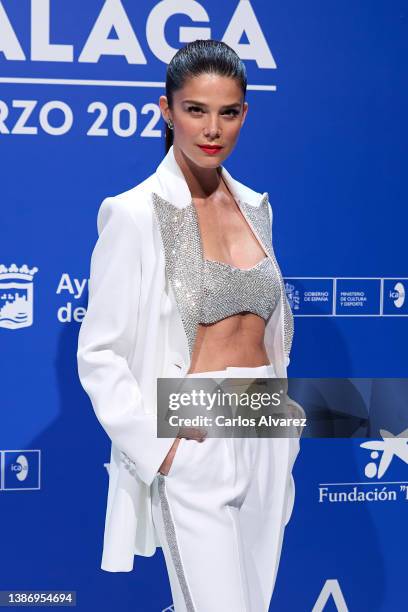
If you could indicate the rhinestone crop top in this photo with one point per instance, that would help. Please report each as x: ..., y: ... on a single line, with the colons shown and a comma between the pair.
x: 228, y: 290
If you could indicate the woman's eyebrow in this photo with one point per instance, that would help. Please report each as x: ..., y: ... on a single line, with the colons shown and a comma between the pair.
x: 233, y: 105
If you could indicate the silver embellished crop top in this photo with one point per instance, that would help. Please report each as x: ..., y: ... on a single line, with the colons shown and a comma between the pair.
x: 228, y: 290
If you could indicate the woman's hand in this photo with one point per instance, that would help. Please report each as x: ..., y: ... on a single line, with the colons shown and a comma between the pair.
x: 190, y: 433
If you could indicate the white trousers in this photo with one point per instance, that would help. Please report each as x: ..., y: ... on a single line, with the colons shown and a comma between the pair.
x: 220, y: 514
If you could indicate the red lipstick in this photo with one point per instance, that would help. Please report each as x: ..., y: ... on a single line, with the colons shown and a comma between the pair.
x: 210, y: 149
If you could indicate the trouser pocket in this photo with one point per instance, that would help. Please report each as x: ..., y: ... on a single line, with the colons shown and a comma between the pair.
x: 176, y: 458
x: 208, y: 462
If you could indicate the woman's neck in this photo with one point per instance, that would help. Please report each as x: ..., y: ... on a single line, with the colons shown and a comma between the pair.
x: 202, y: 182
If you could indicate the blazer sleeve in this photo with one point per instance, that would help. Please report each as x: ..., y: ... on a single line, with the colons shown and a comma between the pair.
x: 106, y: 341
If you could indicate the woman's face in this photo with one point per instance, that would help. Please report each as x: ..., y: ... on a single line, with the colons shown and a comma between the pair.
x: 208, y: 110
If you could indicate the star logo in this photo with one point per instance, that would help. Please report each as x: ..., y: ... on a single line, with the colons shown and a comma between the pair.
x: 391, y: 446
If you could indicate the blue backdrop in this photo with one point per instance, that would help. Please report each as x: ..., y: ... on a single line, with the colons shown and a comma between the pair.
x: 326, y: 136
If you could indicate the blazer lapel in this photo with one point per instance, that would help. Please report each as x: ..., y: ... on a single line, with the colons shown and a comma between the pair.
x: 183, y: 260
x: 260, y: 220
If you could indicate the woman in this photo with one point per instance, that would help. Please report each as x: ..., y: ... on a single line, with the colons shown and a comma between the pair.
x: 184, y: 283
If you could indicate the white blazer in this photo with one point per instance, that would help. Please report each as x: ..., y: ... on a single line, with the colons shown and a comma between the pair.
x: 137, y: 328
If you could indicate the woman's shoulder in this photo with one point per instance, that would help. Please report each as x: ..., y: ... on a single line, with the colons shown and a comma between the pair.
x: 134, y: 202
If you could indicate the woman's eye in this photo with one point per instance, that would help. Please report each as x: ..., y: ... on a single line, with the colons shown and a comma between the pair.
x: 230, y: 111
x: 195, y: 109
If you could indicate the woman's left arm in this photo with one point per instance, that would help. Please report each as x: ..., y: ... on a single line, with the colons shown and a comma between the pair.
x: 107, y: 337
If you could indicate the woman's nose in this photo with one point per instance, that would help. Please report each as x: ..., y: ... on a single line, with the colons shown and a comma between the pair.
x: 212, y: 128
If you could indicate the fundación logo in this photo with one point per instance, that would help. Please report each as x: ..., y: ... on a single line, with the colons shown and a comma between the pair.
x: 381, y: 457
x: 16, y: 296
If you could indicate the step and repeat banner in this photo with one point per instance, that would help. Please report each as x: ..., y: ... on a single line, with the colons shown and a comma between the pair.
x: 325, y: 136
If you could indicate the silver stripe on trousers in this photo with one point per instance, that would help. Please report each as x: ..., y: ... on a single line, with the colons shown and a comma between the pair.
x: 172, y: 542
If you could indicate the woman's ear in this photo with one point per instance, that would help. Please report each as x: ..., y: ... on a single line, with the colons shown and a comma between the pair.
x: 244, y: 112
x: 164, y: 108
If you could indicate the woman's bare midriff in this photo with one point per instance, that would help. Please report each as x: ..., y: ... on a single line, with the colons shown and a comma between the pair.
x: 237, y: 340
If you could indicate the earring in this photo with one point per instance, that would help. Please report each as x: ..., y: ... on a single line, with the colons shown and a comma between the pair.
x: 170, y: 124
